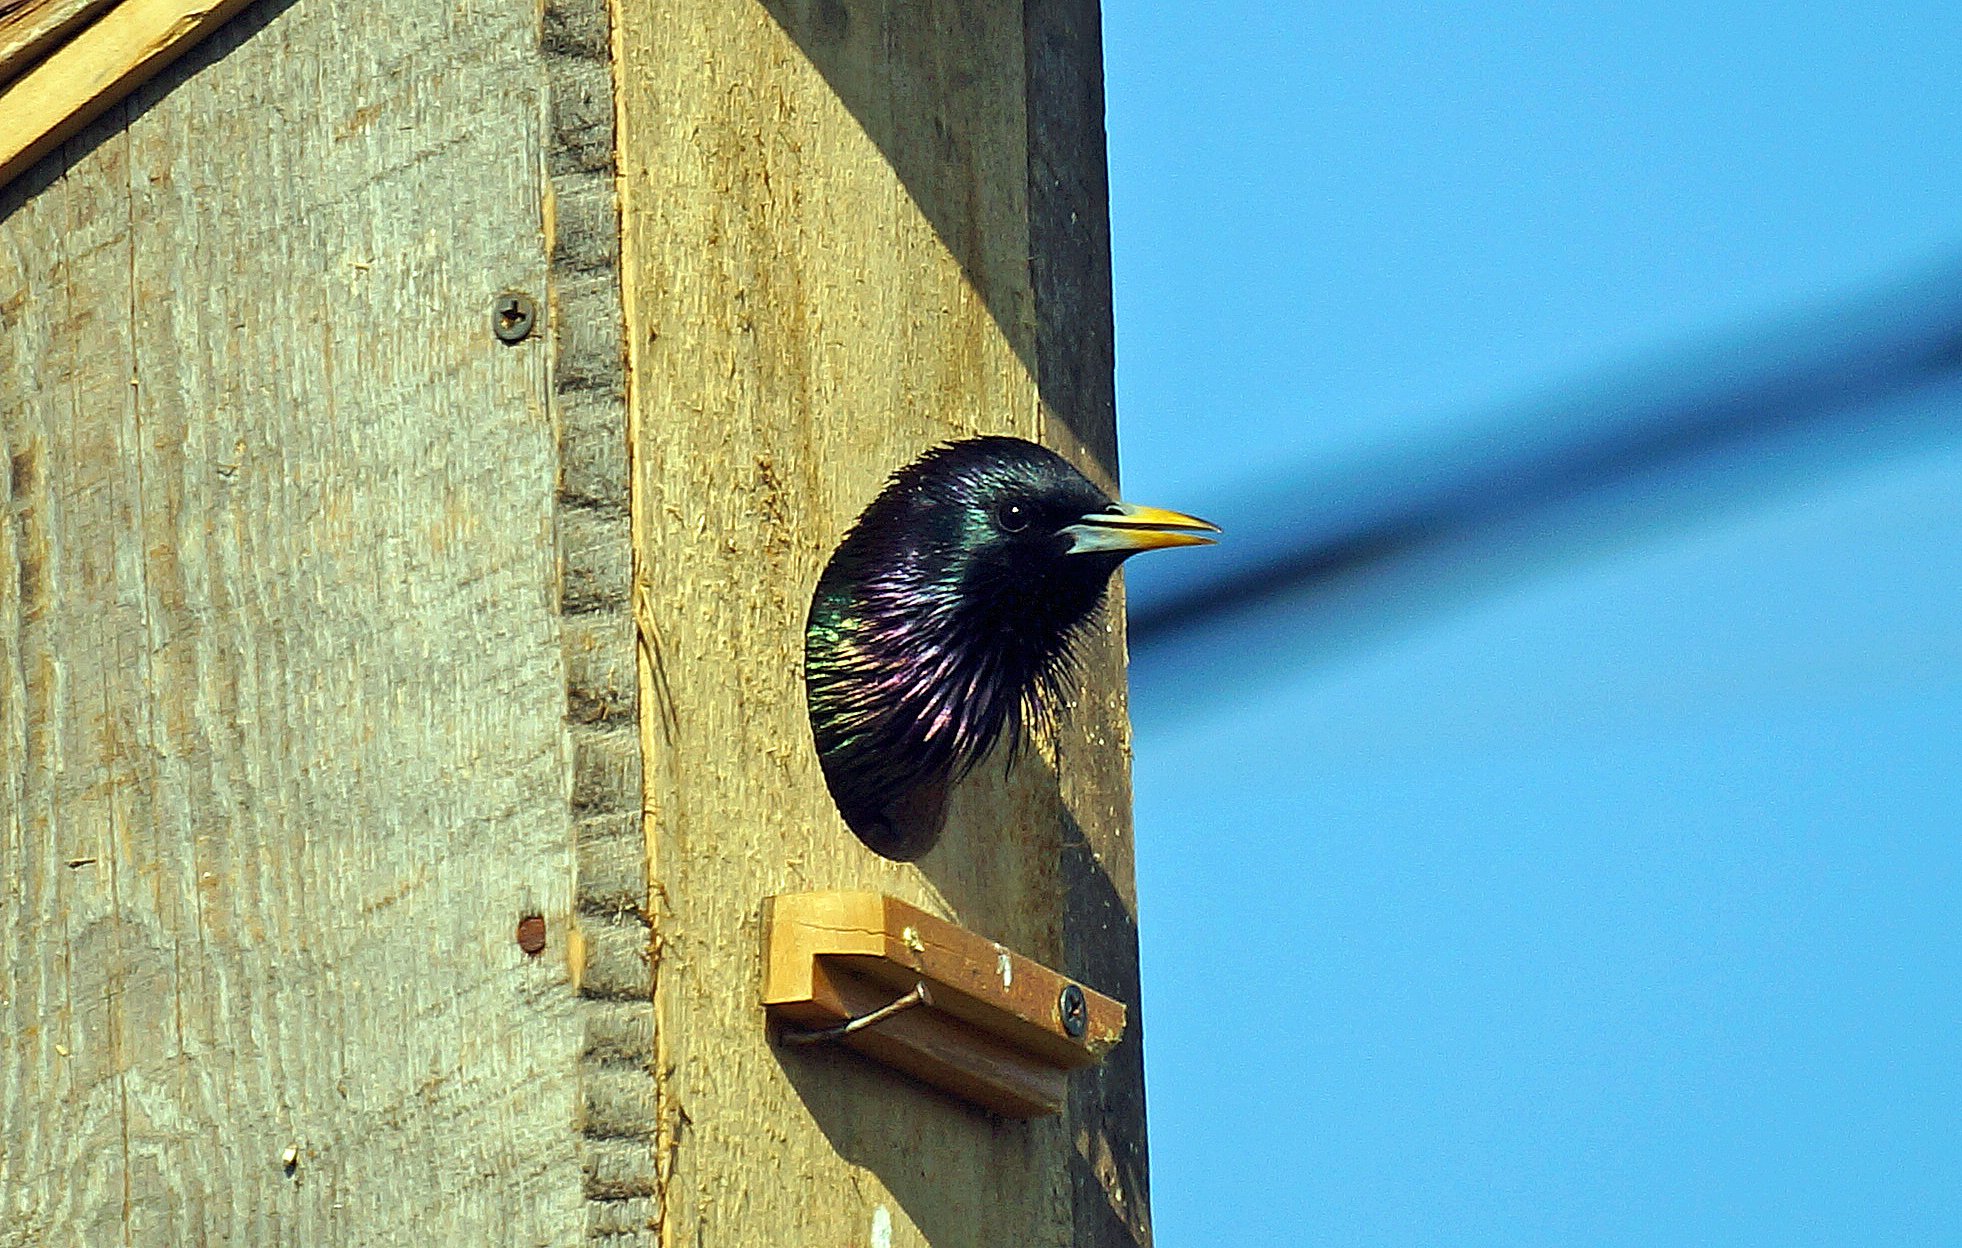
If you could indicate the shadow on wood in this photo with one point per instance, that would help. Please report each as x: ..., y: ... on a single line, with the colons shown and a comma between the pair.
x: 863, y: 1107
x: 890, y: 66
x: 836, y: 256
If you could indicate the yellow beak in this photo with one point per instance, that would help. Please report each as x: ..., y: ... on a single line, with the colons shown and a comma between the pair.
x: 1129, y: 528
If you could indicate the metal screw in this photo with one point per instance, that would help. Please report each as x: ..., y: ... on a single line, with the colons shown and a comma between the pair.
x: 512, y: 317
x: 1074, y: 1011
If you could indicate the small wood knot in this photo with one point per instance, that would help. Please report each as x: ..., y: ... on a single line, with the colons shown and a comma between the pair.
x: 531, y: 934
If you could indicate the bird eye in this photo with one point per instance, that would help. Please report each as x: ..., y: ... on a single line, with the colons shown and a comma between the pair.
x: 1012, y: 517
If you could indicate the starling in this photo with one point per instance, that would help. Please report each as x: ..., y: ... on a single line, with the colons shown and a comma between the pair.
x: 946, y: 618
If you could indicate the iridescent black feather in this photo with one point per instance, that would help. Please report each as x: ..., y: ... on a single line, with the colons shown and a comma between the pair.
x: 944, y: 622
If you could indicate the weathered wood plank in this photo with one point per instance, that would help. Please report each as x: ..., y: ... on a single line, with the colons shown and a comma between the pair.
x: 827, y: 234
x: 283, y: 754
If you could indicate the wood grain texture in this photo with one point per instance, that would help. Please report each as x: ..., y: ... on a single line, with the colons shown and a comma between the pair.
x: 28, y: 28
x: 826, y: 239
x: 283, y: 755
x: 100, y: 62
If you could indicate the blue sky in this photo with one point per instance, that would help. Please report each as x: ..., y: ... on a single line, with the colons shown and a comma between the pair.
x: 1610, y: 900
x: 1337, y: 224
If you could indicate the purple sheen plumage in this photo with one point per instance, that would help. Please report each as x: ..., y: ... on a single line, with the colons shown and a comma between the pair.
x: 933, y: 634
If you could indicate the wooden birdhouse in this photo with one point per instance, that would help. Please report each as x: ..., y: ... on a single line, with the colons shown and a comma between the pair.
x: 424, y: 425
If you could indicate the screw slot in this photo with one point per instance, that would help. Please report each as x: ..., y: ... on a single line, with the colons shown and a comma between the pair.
x: 512, y: 317
x: 1074, y: 1011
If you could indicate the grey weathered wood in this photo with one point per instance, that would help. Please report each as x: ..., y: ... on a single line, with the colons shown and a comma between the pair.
x: 283, y: 753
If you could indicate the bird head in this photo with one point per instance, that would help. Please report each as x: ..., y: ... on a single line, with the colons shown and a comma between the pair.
x: 946, y: 618
x: 1012, y: 532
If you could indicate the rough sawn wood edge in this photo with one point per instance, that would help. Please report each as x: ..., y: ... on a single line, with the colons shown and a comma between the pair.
x: 611, y: 959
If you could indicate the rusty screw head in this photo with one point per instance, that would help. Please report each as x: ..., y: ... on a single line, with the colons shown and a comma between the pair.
x: 512, y: 317
x: 1074, y: 1011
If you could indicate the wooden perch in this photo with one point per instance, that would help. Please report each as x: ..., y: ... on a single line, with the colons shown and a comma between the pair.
x: 994, y: 1027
